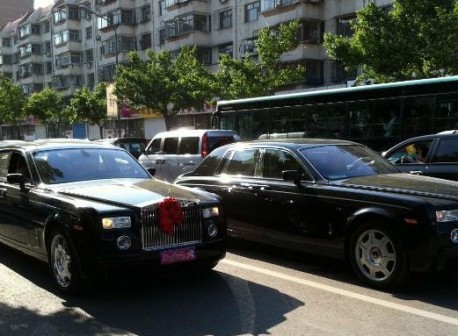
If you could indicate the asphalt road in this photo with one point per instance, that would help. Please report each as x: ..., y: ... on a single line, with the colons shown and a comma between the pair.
x: 254, y: 291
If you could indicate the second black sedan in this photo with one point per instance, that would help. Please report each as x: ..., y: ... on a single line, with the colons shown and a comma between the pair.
x: 334, y: 198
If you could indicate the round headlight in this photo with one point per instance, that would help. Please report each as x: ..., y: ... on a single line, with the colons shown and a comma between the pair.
x: 212, y: 230
x: 123, y: 243
x: 454, y: 236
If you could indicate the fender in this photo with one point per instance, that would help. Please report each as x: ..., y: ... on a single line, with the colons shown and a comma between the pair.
x: 371, y: 211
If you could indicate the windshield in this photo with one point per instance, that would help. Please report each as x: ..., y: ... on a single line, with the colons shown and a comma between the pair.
x: 82, y: 164
x: 335, y: 162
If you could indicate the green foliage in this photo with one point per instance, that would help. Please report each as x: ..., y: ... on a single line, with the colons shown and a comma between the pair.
x: 417, y: 39
x: 12, y: 102
x: 89, y: 106
x: 46, y: 105
x: 247, y: 78
x: 164, y: 83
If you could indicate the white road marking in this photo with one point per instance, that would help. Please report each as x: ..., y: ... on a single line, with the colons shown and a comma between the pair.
x: 343, y: 292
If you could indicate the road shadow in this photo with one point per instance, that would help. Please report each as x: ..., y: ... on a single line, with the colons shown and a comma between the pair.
x: 438, y: 288
x: 180, y: 304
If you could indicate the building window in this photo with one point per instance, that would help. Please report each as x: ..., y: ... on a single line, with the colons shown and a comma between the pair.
x: 46, y: 27
x: 59, y: 16
x: 145, y: 13
x: 35, y: 29
x: 73, y: 12
x: 145, y: 41
x: 118, y: 17
x: 48, y: 68
x: 162, y: 8
x: 252, y: 11
x: 123, y: 44
x: 227, y: 48
x: 344, y: 26
x: 225, y: 19
x: 66, y: 59
x: 6, y: 59
x: 311, y: 31
x: 47, y: 48
x: 89, y: 55
x: 90, y: 80
x: 6, y: 42
x: 204, y: 55
x: 66, y: 36
x: 24, y: 31
x: 88, y: 33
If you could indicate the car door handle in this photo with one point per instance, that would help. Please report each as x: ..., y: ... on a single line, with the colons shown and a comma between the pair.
x: 190, y: 163
x: 160, y: 161
x: 416, y: 172
x: 255, y: 186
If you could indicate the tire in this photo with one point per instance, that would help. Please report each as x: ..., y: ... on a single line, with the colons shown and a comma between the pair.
x: 63, y: 263
x: 378, y: 256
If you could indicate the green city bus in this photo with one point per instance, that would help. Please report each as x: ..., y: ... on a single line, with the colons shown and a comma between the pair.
x: 377, y: 115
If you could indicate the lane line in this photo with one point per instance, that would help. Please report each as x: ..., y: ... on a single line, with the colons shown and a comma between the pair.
x: 343, y: 292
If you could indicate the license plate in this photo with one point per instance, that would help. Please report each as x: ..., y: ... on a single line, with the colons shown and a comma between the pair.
x: 180, y: 255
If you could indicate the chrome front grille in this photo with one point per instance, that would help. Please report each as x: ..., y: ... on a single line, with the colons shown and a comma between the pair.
x: 189, y: 231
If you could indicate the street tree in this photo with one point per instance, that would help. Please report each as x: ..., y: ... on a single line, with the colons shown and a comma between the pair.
x: 89, y: 106
x: 164, y: 83
x: 416, y: 39
x: 12, y: 102
x: 247, y: 77
x: 46, y: 105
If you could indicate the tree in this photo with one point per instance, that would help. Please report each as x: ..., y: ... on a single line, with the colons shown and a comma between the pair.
x: 12, y: 102
x: 89, y: 106
x: 47, y: 105
x: 163, y: 83
x: 247, y: 78
x: 417, y: 39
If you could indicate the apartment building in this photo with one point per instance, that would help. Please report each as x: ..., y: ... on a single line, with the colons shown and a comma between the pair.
x: 65, y: 46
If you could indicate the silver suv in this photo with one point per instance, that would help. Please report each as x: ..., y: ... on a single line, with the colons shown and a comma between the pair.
x: 170, y: 154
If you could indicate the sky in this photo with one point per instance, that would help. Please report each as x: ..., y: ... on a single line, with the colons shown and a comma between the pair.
x: 42, y: 3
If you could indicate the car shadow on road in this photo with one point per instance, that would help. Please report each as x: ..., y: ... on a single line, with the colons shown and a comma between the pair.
x: 439, y: 288
x: 184, y: 304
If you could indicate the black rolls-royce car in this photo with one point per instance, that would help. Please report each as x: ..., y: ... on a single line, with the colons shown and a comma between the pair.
x: 91, y: 209
x: 335, y: 198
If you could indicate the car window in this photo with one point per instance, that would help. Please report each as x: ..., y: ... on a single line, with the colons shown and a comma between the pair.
x: 447, y: 151
x: 218, y: 141
x: 209, y: 165
x: 170, y: 145
x: 4, y: 163
x: 155, y: 146
x: 19, y: 165
x: 189, y: 145
x: 275, y: 161
x: 243, y: 162
x: 412, y: 152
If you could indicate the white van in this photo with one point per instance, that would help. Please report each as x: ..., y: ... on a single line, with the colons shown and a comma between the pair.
x: 170, y: 154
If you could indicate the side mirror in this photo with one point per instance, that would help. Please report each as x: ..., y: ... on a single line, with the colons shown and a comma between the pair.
x: 292, y: 175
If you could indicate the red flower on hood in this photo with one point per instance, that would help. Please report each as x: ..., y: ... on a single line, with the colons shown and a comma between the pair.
x: 170, y: 214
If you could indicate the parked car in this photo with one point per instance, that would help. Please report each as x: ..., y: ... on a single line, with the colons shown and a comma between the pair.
x: 91, y: 209
x: 172, y: 153
x: 431, y: 155
x: 335, y: 198
x: 133, y: 145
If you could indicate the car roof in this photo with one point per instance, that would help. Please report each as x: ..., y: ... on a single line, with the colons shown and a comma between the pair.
x: 47, y: 144
x: 188, y: 132
x: 294, y: 142
x: 121, y: 140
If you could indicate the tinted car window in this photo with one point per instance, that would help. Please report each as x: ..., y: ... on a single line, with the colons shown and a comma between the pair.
x: 276, y: 161
x: 218, y: 141
x: 155, y: 146
x: 447, y: 151
x: 210, y: 163
x: 189, y: 145
x: 170, y: 145
x: 243, y: 162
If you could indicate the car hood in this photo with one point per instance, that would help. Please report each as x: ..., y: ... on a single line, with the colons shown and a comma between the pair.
x: 131, y: 192
x: 405, y: 184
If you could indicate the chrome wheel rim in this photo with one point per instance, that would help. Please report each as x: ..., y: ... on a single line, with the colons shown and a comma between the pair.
x: 375, y: 255
x: 61, y: 260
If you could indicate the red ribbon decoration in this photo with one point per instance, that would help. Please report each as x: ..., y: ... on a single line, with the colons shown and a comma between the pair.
x: 170, y: 214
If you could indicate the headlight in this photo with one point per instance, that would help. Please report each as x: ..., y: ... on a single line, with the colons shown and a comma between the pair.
x: 210, y: 212
x: 115, y: 222
x: 447, y: 215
